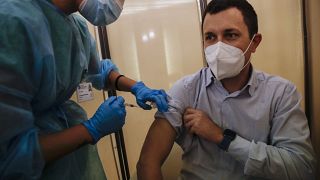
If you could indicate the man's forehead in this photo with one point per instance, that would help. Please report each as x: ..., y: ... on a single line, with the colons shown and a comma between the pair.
x: 228, y: 19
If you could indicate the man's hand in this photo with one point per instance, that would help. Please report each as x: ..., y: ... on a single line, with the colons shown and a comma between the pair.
x: 198, y: 122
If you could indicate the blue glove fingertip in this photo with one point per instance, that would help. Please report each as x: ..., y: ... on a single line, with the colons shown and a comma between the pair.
x: 120, y: 100
x: 111, y: 99
x: 163, y: 107
x: 163, y: 93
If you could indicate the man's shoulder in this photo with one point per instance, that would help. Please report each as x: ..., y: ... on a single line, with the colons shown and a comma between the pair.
x: 188, y: 82
x: 273, y: 81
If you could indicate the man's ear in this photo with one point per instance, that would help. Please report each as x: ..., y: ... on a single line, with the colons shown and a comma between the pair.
x: 255, y: 42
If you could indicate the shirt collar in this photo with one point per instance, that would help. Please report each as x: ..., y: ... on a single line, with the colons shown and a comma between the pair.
x: 252, y: 83
x: 250, y: 86
x: 209, y: 77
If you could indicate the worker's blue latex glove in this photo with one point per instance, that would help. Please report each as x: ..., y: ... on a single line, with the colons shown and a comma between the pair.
x: 109, y: 118
x: 144, y: 94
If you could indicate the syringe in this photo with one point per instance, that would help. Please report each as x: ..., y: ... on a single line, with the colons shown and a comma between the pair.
x: 153, y: 105
x: 130, y: 105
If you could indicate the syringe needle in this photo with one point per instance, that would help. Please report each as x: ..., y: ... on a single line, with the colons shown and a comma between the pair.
x: 130, y: 105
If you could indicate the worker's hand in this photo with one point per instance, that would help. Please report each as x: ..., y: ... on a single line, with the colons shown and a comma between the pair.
x: 198, y: 122
x: 144, y: 94
x: 109, y: 118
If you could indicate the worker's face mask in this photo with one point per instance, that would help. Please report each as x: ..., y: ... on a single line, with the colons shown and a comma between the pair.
x: 101, y: 12
x: 225, y: 61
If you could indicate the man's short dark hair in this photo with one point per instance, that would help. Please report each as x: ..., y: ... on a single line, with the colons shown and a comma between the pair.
x: 248, y: 13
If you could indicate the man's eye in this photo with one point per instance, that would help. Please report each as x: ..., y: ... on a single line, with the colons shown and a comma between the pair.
x: 209, y: 37
x: 231, y: 35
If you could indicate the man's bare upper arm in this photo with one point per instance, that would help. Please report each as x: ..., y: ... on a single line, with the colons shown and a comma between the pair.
x: 158, y: 143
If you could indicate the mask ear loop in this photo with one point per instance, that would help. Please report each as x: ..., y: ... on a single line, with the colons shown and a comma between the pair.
x: 246, y: 52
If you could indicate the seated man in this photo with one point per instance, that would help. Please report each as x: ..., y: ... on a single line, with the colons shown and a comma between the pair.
x: 231, y: 121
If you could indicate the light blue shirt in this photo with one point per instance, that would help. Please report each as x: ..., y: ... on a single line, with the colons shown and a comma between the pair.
x: 272, y: 139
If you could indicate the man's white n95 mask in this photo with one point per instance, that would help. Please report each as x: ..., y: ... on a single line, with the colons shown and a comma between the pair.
x: 101, y: 12
x: 225, y: 61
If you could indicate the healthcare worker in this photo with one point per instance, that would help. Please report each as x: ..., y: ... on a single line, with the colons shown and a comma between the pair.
x: 45, y: 52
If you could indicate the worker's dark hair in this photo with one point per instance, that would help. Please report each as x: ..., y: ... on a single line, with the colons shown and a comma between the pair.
x: 248, y: 13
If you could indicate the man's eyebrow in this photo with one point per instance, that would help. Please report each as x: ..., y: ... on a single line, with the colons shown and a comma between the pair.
x: 209, y: 32
x: 229, y: 30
